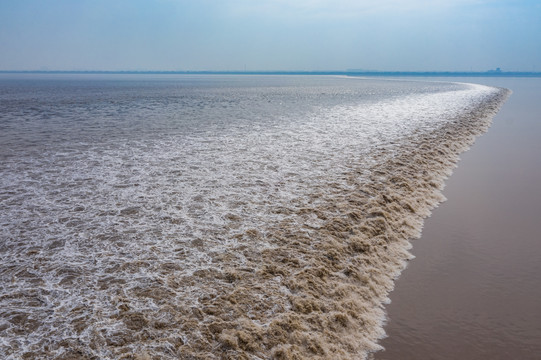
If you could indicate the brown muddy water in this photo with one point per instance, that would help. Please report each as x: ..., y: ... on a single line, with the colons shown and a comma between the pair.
x: 216, y: 217
x: 474, y: 289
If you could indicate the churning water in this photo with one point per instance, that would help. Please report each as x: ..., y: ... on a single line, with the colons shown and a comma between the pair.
x: 210, y: 217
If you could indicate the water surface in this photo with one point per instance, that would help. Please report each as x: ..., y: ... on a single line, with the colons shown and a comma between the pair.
x: 473, y: 290
x: 216, y: 216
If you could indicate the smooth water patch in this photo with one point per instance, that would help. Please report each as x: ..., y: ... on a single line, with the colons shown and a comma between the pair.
x: 473, y: 290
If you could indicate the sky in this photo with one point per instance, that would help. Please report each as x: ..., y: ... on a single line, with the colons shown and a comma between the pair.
x: 264, y: 35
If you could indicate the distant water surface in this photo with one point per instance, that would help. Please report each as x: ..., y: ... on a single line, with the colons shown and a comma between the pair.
x: 211, y: 216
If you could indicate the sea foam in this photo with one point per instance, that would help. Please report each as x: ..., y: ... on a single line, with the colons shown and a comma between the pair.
x: 263, y: 234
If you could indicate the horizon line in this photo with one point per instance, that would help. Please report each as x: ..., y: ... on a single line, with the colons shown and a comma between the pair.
x: 497, y: 72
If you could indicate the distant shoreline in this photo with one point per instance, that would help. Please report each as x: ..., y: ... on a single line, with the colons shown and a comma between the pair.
x: 491, y: 73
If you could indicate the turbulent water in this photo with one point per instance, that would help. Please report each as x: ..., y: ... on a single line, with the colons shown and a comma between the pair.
x: 166, y: 217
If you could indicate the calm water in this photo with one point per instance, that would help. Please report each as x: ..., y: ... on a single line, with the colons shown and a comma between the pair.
x: 215, y: 216
x: 473, y: 290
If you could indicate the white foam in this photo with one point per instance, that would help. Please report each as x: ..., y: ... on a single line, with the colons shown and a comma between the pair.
x: 108, y: 237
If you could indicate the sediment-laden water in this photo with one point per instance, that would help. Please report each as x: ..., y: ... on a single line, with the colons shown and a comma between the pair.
x: 166, y: 217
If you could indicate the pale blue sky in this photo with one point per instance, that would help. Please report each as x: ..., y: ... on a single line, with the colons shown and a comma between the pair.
x: 408, y: 35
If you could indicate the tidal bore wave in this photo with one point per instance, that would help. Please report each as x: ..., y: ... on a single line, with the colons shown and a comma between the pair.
x: 286, y: 252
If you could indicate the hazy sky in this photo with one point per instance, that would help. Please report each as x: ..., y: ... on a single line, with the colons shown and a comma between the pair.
x: 270, y: 34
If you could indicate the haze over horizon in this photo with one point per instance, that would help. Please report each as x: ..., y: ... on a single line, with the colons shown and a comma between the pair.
x: 271, y: 35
